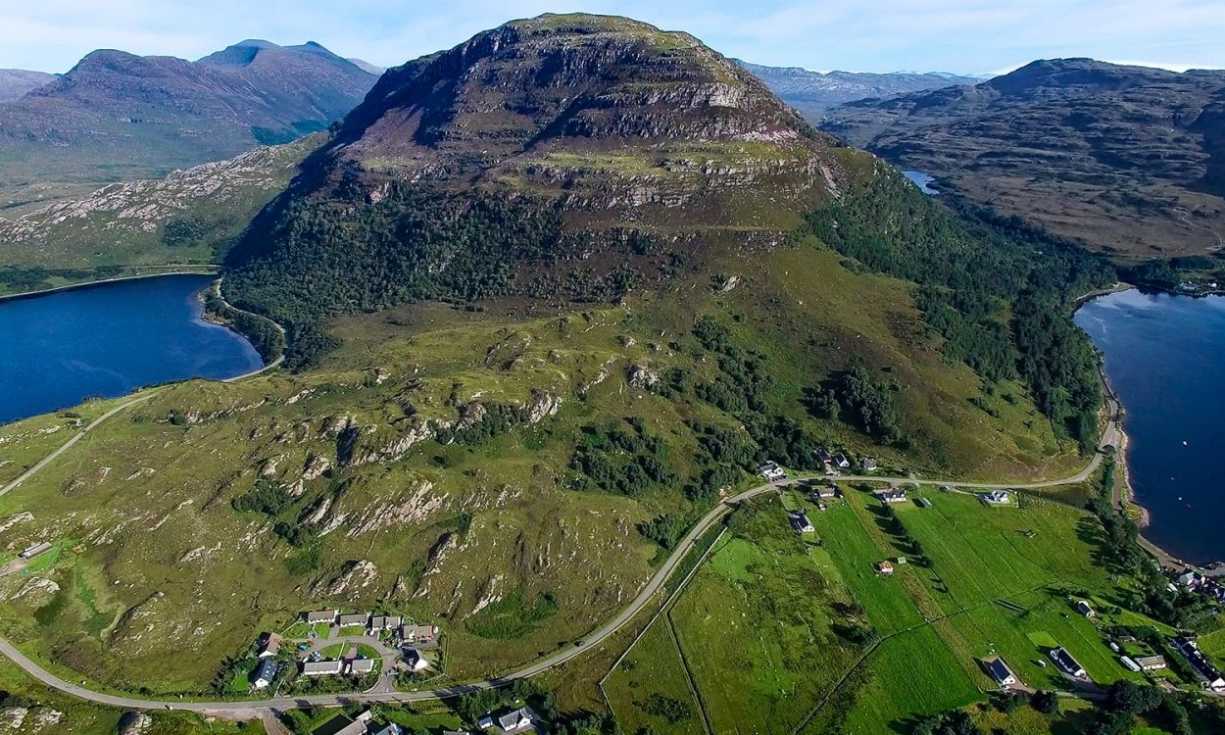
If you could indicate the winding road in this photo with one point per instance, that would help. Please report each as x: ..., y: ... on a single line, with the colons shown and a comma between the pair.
x: 256, y: 709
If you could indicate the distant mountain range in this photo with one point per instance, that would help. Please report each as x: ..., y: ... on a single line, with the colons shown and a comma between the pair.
x: 116, y: 116
x: 16, y: 82
x: 1129, y: 160
x: 814, y: 92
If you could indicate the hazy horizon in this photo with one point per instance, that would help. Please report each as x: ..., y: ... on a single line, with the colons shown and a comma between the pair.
x: 971, y: 37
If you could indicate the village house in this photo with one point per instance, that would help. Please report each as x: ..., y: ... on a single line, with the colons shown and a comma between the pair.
x: 771, y: 472
x: 270, y: 645
x: 1084, y: 608
x: 891, y: 495
x: 923, y: 502
x: 1067, y: 664
x: 265, y: 674
x: 868, y: 464
x: 520, y: 720
x: 392, y: 729
x: 841, y: 462
x: 321, y: 616
x: 999, y: 671
x: 380, y: 623
x: 823, y: 456
x: 323, y: 668
x: 355, y: 620
x: 361, y: 666
x: 885, y: 567
x: 1151, y: 663
x: 420, y: 636
x: 827, y: 491
x: 358, y: 726
x: 996, y: 497
x: 800, y: 522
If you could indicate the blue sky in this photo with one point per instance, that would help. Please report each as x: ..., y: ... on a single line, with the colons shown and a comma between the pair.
x: 966, y: 36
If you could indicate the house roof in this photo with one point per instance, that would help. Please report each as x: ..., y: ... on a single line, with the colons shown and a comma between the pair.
x: 322, y: 667
x: 517, y: 719
x: 999, y: 670
x: 267, y: 669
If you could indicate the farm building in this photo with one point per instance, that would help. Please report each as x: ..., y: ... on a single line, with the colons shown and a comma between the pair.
x: 33, y: 551
x: 1151, y: 663
x: 885, y: 567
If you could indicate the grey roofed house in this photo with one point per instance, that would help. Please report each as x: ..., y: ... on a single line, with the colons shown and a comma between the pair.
x: 266, y: 673
x: 361, y: 666
x: 1084, y: 608
x: 1151, y: 663
x: 357, y: 727
x: 321, y: 616
x: 392, y: 729
x: 1000, y: 671
x: 323, y: 668
x: 841, y: 461
x: 354, y: 619
x: 385, y: 622
x: 868, y: 464
x: 800, y: 522
x: 517, y: 720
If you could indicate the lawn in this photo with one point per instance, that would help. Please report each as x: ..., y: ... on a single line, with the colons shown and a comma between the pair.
x: 762, y: 626
x: 648, y: 689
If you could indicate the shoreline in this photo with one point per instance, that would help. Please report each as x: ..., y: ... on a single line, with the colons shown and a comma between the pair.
x: 1123, y: 494
x: 204, y: 270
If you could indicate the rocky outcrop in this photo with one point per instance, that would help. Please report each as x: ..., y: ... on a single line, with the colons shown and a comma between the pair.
x: 354, y: 577
x: 642, y: 377
x: 317, y: 466
x: 542, y: 405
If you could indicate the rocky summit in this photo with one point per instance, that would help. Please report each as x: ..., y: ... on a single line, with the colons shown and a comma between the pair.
x: 566, y: 155
x: 1128, y: 160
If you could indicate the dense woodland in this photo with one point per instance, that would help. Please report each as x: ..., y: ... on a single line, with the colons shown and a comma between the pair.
x: 996, y: 289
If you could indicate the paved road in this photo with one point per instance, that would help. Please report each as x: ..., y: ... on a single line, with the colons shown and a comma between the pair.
x: 68, y: 444
x: 259, y: 708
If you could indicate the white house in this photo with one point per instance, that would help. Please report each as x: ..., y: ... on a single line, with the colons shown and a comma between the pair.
x: 415, y: 660
x: 1000, y: 672
x: 517, y: 721
x: 771, y: 472
x: 996, y: 497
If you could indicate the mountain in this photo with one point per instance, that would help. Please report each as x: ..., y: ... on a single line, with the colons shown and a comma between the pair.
x: 367, y: 67
x: 567, y: 138
x: 115, y: 116
x: 16, y: 82
x: 814, y: 92
x: 552, y: 296
x: 1127, y: 160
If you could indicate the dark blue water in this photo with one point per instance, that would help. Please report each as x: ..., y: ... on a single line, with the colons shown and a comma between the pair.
x: 923, y: 181
x: 59, y: 349
x: 1165, y: 357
